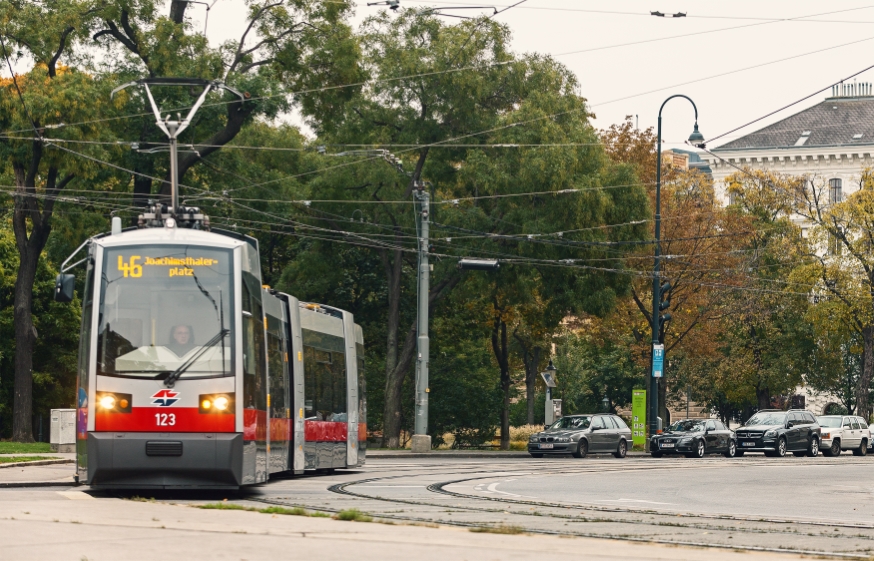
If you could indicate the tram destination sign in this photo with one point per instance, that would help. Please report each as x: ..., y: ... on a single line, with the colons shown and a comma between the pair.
x: 135, y: 265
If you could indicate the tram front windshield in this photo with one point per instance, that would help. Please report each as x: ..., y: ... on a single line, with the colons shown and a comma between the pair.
x: 165, y: 308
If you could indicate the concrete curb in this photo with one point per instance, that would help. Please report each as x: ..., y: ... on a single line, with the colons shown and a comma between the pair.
x: 38, y: 463
x: 397, y: 454
x: 38, y: 484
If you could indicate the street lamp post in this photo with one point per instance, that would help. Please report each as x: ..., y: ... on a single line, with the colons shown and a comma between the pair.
x: 696, y: 139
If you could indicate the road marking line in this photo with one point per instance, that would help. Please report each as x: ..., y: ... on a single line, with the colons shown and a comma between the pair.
x: 632, y: 501
x: 75, y: 495
x: 389, y: 486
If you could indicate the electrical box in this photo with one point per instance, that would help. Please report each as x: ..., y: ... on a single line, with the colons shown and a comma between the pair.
x: 62, y: 435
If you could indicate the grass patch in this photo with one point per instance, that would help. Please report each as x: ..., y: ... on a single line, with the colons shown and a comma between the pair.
x: 352, y: 514
x: 226, y: 506
x: 502, y: 529
x: 25, y: 447
x: 14, y: 459
x: 296, y: 511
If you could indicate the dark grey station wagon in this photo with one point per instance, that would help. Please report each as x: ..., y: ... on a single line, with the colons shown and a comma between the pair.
x: 581, y: 435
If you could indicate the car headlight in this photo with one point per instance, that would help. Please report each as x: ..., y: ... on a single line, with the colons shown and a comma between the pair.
x: 534, y: 438
x: 686, y: 440
x: 771, y: 433
x: 826, y: 435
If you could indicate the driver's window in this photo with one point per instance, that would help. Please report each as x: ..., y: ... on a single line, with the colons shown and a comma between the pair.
x: 794, y: 419
x: 710, y: 426
x: 847, y: 423
x: 598, y: 423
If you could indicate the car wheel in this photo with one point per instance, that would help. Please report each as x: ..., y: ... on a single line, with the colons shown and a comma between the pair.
x: 862, y: 449
x: 780, y: 451
x: 700, y: 451
x: 656, y: 454
x: 835, y: 448
x: 582, y: 449
x: 813, y: 448
x: 732, y: 450
x: 622, y: 450
x: 533, y: 455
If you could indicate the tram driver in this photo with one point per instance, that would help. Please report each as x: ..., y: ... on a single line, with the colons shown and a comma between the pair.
x: 181, y: 339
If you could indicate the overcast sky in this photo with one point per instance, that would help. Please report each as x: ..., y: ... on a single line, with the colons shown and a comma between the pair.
x: 628, y: 64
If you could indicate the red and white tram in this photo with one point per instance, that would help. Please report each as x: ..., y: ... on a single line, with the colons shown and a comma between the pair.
x: 194, y: 375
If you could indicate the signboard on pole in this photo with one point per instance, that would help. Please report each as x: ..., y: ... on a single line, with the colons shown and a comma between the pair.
x: 638, y: 418
x: 658, y: 360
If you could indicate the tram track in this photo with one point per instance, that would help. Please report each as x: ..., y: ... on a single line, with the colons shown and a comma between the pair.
x: 620, y: 518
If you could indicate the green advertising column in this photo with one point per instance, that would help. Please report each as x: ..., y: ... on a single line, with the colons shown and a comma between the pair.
x: 638, y: 418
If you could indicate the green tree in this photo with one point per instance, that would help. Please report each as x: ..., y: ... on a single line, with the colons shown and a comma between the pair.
x: 840, y: 263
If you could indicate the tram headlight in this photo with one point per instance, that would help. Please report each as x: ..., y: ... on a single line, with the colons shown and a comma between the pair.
x: 114, y: 402
x: 221, y: 403
x: 107, y: 401
x: 216, y: 403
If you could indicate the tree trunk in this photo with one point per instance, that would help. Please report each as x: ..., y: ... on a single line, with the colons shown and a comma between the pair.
x: 531, y: 368
x: 502, y: 352
x: 394, y: 376
x: 29, y: 249
x: 763, y: 397
x: 22, y: 429
x: 863, y: 408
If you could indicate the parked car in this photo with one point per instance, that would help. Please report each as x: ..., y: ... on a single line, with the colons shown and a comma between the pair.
x: 694, y: 438
x: 776, y: 432
x: 581, y: 435
x: 844, y: 432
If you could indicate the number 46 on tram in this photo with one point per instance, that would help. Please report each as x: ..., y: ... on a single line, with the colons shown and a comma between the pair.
x: 193, y: 375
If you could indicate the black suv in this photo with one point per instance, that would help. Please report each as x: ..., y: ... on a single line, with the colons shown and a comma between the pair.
x: 776, y: 432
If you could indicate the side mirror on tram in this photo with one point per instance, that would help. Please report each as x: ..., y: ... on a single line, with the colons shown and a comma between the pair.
x: 64, y: 287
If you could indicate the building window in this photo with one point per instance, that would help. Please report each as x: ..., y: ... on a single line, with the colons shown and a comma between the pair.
x: 835, y: 194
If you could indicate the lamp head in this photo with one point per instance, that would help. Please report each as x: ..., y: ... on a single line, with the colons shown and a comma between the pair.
x: 696, y: 138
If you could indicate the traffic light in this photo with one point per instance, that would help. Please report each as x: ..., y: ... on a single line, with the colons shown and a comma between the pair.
x: 665, y: 303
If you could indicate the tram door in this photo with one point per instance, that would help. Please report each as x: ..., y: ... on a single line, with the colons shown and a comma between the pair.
x: 278, y: 402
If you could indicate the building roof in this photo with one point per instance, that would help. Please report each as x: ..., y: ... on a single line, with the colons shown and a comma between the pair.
x: 837, y: 121
x: 695, y: 161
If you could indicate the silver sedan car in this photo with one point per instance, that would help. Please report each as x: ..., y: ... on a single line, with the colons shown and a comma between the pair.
x: 581, y: 435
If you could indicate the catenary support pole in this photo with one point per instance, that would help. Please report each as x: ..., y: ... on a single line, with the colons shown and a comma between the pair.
x: 421, y: 440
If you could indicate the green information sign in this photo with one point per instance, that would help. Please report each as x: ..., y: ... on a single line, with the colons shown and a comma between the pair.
x: 638, y: 418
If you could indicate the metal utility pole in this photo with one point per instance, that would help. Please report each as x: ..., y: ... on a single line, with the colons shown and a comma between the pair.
x: 421, y: 440
x: 658, y: 350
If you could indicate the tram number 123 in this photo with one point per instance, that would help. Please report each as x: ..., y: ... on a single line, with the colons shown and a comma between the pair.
x: 165, y: 419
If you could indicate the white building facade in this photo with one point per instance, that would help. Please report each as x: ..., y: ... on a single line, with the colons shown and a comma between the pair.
x: 830, y: 143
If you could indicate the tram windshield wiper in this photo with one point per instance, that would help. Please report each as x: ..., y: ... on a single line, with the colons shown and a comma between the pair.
x: 171, y: 378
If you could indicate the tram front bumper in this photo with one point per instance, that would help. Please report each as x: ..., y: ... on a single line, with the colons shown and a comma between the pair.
x: 164, y: 460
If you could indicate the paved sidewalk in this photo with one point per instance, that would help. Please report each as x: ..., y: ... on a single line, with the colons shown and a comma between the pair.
x: 74, y: 525
x: 37, y: 474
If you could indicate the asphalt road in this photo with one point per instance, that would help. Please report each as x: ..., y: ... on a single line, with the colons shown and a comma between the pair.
x: 767, y: 508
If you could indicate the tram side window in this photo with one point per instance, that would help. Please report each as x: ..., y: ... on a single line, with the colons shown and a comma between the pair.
x: 254, y: 390
x: 276, y: 363
x: 324, y: 377
x: 362, y: 385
